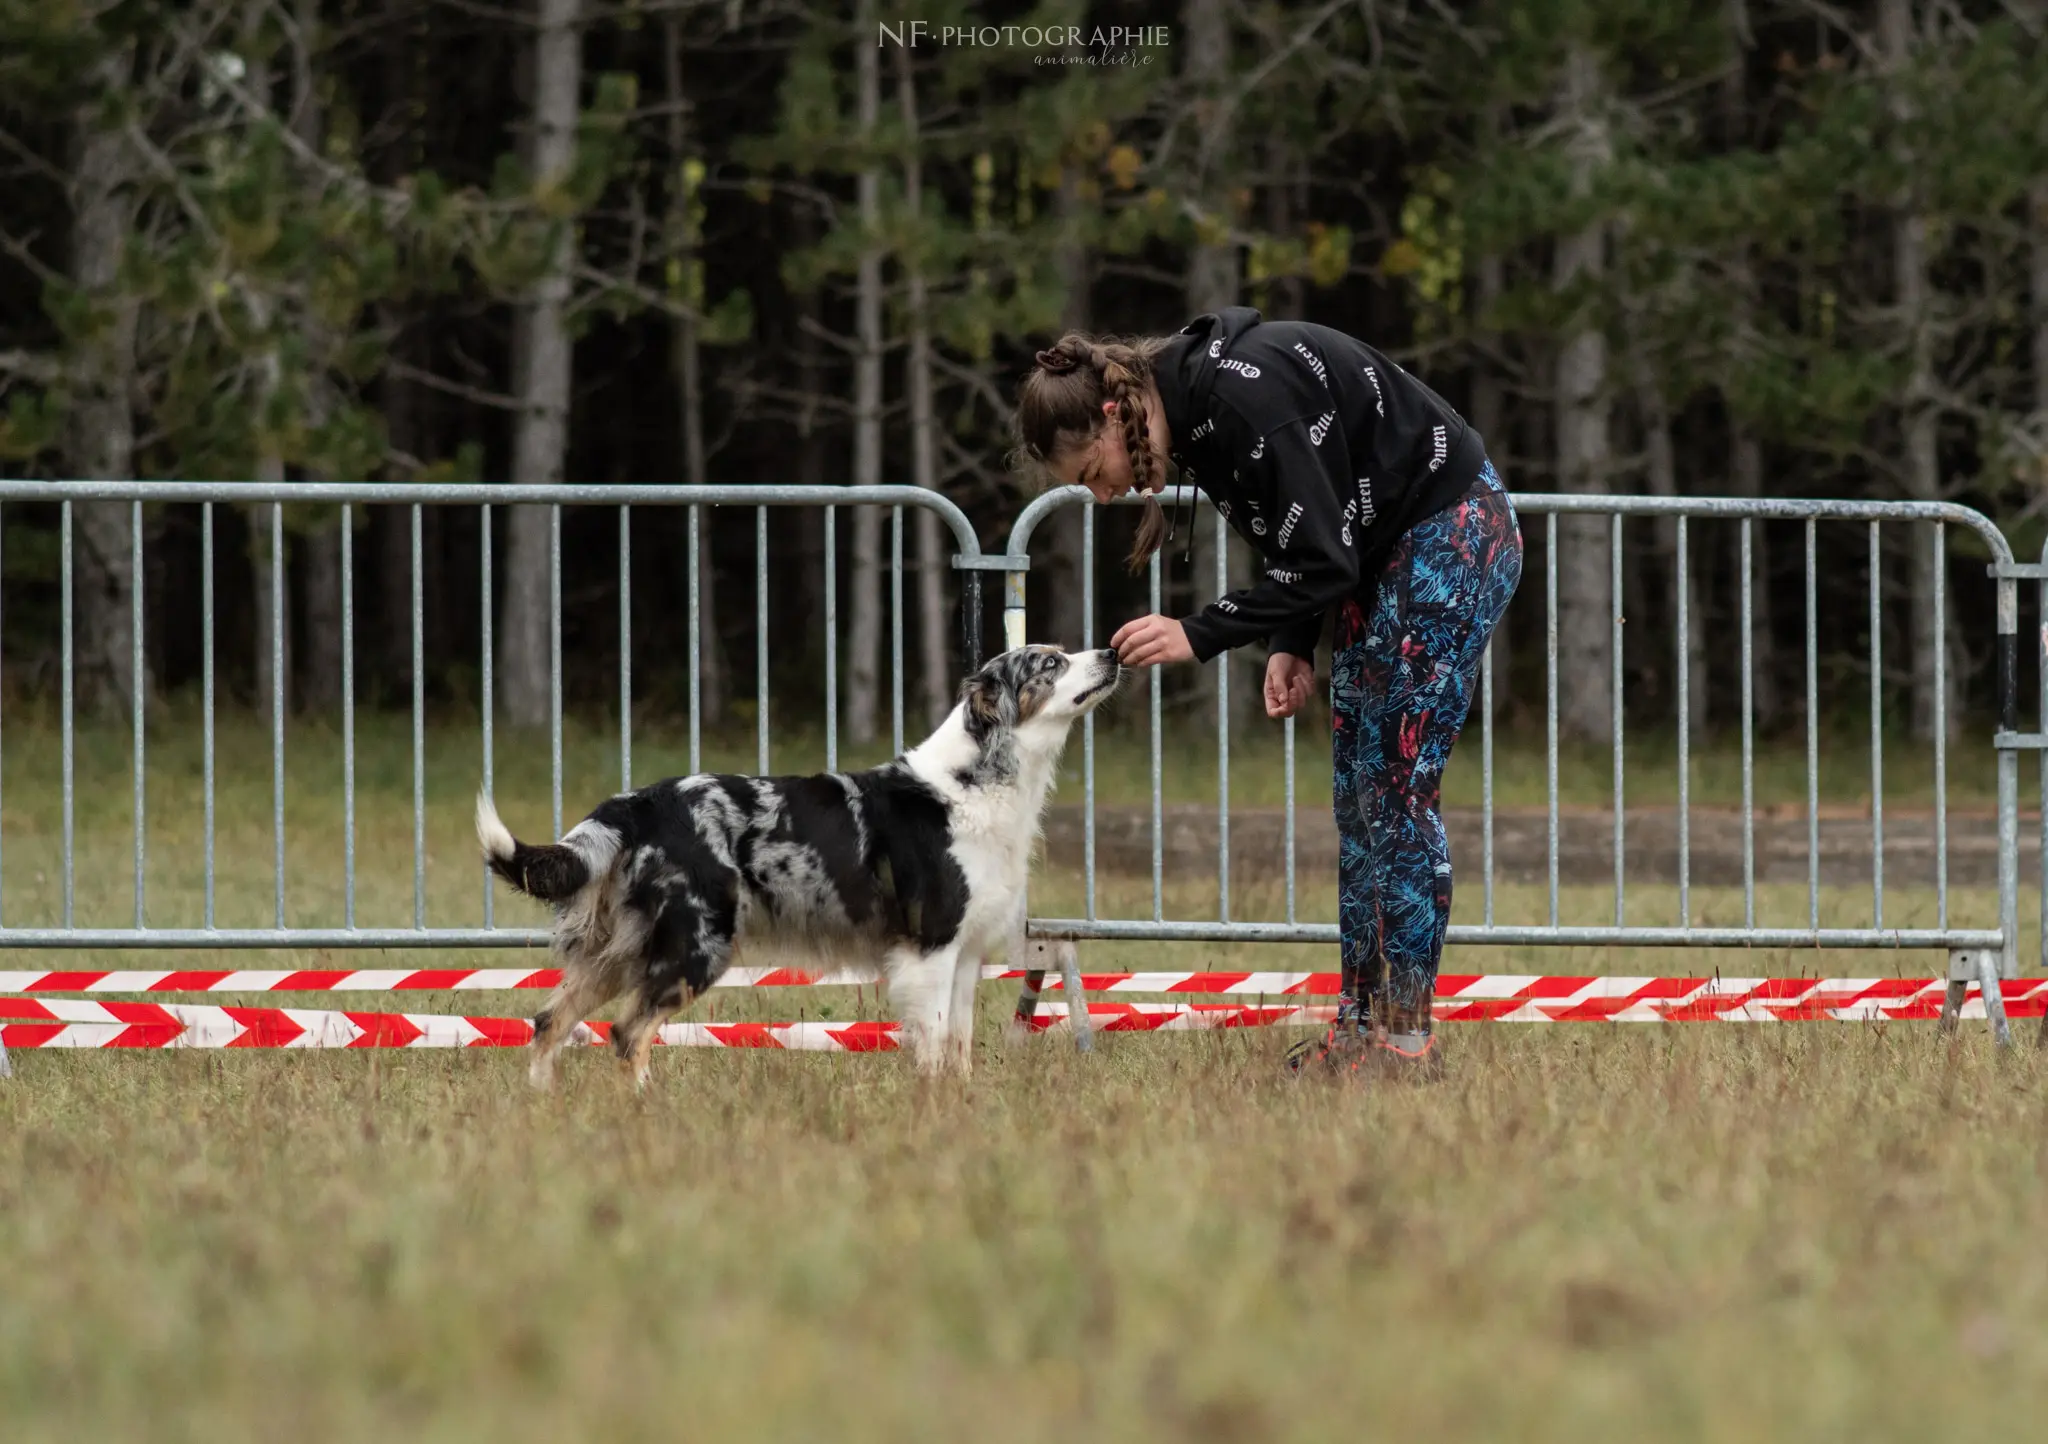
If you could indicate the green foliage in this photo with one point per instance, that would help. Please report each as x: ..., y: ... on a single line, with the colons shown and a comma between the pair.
x: 1747, y: 266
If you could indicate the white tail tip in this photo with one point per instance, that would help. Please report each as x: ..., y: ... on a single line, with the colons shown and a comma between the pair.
x: 496, y: 838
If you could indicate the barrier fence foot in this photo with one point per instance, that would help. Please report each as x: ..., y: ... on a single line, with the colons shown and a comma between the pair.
x: 1077, y: 998
x: 1027, y: 1004
x: 1979, y: 966
x: 1994, y: 998
x: 1064, y: 955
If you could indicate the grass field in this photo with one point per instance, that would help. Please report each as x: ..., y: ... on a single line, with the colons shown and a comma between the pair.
x: 1589, y: 1232
x: 1809, y: 1232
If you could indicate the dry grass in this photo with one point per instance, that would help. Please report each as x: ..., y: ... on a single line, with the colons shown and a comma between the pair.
x: 1800, y: 1231
x: 1704, y: 1232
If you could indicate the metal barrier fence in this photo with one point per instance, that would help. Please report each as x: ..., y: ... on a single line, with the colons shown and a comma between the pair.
x: 967, y: 560
x: 1980, y: 955
x: 1977, y: 955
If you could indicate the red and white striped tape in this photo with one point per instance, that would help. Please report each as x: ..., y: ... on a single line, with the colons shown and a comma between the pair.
x: 374, y: 980
x: 66, y: 1023
x: 1507, y: 997
x: 1514, y: 999
x: 53, y: 1023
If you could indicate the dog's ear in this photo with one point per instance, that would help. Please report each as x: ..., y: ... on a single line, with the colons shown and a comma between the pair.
x: 990, y: 705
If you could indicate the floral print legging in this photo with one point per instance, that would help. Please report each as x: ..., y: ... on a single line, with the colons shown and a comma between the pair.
x: 1401, y: 683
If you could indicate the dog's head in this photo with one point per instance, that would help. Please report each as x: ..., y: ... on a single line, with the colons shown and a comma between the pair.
x: 1023, y: 702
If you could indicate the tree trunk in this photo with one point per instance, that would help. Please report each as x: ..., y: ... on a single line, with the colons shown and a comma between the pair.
x: 1662, y: 477
x: 933, y: 555
x: 100, y: 436
x: 1058, y: 582
x: 1922, y: 473
x: 1214, y: 280
x: 320, y: 575
x: 1585, y: 621
x: 2038, y: 203
x: 1745, y: 450
x: 542, y: 368
x: 1746, y: 459
x: 684, y: 244
x: 393, y: 530
x: 1921, y: 410
x: 320, y: 560
x: 1284, y: 164
x: 272, y: 569
x: 411, y: 411
x: 1489, y: 410
x: 270, y: 565
x: 864, y: 629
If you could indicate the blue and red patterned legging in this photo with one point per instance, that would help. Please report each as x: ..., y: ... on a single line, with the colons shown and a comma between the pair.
x: 1401, y: 682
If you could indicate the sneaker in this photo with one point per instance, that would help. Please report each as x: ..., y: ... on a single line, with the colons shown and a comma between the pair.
x: 1371, y: 1054
x: 1345, y: 1031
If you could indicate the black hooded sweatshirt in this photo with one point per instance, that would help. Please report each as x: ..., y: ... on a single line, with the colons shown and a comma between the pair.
x: 1319, y: 451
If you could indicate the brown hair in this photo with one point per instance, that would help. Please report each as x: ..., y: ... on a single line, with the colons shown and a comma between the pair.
x: 1059, y: 407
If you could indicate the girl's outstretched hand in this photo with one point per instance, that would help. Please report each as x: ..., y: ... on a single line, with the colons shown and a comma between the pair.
x: 1149, y: 641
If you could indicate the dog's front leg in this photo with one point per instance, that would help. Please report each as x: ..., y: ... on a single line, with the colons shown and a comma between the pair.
x: 921, y: 989
x: 959, y: 1047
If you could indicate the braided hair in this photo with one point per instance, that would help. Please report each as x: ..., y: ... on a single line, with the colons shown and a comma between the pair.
x: 1059, y: 409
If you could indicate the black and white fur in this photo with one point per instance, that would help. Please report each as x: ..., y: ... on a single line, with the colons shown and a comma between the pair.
x: 918, y: 865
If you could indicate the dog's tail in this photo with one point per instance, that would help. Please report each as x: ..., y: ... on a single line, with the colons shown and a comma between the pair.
x: 553, y: 871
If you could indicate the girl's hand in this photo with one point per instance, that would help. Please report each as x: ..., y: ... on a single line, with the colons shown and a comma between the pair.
x: 1289, y: 679
x: 1148, y: 641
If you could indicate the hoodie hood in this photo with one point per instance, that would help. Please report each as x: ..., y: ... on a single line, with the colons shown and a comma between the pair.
x: 1187, y: 370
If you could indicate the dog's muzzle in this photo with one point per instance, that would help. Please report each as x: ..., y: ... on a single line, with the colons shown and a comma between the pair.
x: 1112, y: 673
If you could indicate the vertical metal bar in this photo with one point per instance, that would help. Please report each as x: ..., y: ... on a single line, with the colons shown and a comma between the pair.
x: 896, y: 631
x: 1684, y: 729
x: 137, y: 703
x: 1748, y: 731
x: 831, y: 639
x: 1088, y: 722
x: 761, y: 640
x: 2008, y: 964
x: 1158, y: 819
x: 1287, y: 823
x: 1222, y: 736
x: 70, y: 831
x: 348, y: 715
x: 3, y: 890
x: 277, y: 700
x: 1615, y: 687
x: 488, y: 702
x: 206, y: 681
x: 1550, y: 699
x: 1812, y: 735
x: 1941, y: 725
x: 625, y: 649
x: 1876, y: 735
x: 1987, y: 970
x: 554, y: 658
x: 1485, y: 776
x: 696, y: 648
x: 970, y: 619
x: 419, y: 726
